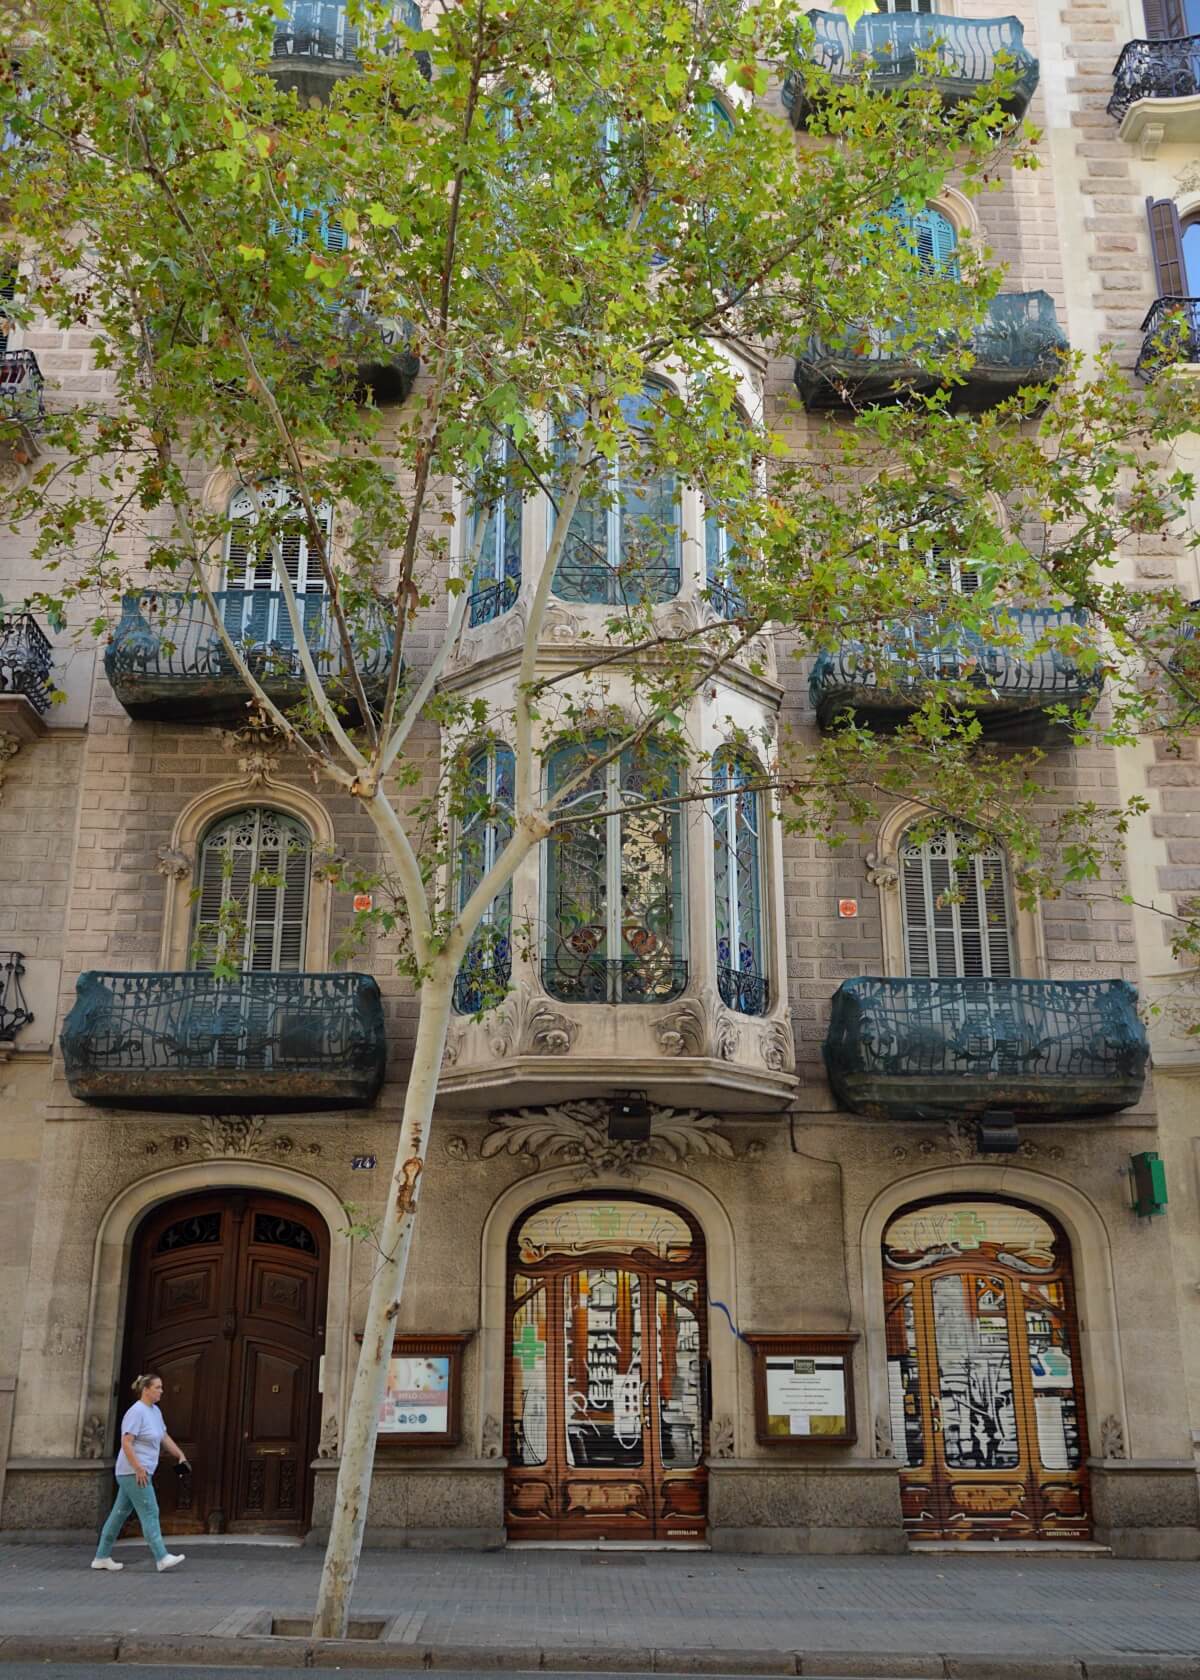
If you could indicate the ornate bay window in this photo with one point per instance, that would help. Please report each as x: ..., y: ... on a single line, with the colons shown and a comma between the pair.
x: 496, y: 580
x: 737, y: 873
x: 614, y: 889
x: 484, y: 831
x: 623, y: 543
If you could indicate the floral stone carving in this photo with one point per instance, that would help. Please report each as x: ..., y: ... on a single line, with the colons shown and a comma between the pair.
x: 778, y: 1047
x: 577, y: 1133
x: 525, y: 1024
x: 239, y: 1134
x: 721, y: 1438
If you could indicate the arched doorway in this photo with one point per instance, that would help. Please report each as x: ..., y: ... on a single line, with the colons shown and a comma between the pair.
x: 606, y: 1397
x: 227, y: 1304
x: 984, y: 1373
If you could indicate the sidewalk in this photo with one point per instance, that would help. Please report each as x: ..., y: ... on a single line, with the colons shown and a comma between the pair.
x: 625, y: 1610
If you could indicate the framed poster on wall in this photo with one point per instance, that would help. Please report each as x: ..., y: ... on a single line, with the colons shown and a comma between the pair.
x: 422, y: 1404
x: 804, y: 1389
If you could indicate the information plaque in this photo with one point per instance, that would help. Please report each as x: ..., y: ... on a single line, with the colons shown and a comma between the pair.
x: 422, y: 1401
x: 803, y: 1388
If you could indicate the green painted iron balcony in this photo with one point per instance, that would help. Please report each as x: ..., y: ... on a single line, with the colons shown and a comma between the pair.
x: 970, y: 53
x: 901, y: 1049
x: 1019, y: 342
x: 165, y: 659
x: 189, y: 1043
x: 1015, y: 691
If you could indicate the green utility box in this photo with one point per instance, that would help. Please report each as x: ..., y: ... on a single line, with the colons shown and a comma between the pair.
x: 1148, y: 1184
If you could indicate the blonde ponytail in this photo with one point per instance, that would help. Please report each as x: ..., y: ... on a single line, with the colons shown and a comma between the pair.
x: 140, y: 1384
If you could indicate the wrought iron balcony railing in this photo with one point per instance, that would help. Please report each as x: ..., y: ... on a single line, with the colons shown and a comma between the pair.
x: 970, y: 53
x: 493, y: 600
x: 272, y: 1043
x: 15, y: 1013
x: 726, y: 601
x: 651, y: 979
x: 483, y: 978
x: 743, y: 990
x: 1012, y: 690
x: 902, y: 1049
x: 166, y: 659
x: 616, y: 586
x: 1018, y: 343
x: 1170, y: 335
x: 21, y: 389
x: 1155, y: 70
x: 25, y: 660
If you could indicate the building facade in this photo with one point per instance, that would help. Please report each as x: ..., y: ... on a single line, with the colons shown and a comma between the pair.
x: 723, y: 1240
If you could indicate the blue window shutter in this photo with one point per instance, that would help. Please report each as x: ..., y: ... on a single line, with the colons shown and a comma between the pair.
x: 935, y: 239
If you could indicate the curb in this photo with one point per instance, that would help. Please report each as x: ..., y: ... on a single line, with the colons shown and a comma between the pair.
x: 259, y: 1652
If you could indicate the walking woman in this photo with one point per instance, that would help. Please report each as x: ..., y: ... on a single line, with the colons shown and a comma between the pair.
x: 142, y: 1433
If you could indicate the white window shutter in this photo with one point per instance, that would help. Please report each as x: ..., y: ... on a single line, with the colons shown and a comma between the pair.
x: 237, y: 853
x: 957, y: 913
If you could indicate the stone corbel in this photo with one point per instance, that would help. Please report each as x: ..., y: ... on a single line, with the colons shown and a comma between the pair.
x: 1152, y: 139
x: 173, y: 863
x: 881, y: 872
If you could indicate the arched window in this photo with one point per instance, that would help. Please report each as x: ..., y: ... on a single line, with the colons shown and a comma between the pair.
x: 622, y: 545
x: 737, y: 813
x: 486, y: 827
x: 932, y: 236
x: 252, y: 900
x: 252, y: 603
x: 496, y: 580
x: 957, y: 908
x: 934, y: 532
x: 614, y: 879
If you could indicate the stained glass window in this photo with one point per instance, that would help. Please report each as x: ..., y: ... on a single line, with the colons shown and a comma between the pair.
x: 737, y: 871
x: 614, y: 879
x: 496, y: 580
x: 622, y: 545
x: 619, y: 1226
x: 485, y: 830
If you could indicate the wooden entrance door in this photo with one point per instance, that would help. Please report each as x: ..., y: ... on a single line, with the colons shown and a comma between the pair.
x: 227, y: 1304
x: 987, y: 1410
x: 607, y: 1374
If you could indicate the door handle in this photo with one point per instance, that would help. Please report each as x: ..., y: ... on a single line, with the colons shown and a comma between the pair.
x: 273, y: 1452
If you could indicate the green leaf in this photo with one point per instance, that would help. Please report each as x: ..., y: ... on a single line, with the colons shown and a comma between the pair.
x: 231, y: 78
x: 855, y: 9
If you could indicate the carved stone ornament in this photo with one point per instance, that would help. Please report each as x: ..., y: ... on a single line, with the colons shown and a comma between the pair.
x: 10, y: 746
x: 452, y: 1048
x: 881, y: 873
x: 884, y: 1447
x: 327, y: 1446
x: 560, y: 626
x: 681, y: 1033
x: 91, y: 1437
x: 526, y: 1025
x: 1112, y: 1438
x: 256, y: 745
x: 778, y: 1047
x: 492, y: 1438
x: 458, y: 1149
x: 173, y: 863
x: 235, y: 1134
x: 721, y: 1438
x: 577, y: 1132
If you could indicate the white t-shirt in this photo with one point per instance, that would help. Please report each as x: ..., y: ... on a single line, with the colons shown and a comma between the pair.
x: 145, y: 1424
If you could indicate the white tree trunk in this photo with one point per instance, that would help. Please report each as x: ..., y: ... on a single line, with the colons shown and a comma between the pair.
x: 370, y: 1380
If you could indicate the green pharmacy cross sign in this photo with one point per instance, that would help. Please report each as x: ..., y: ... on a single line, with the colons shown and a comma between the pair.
x: 529, y: 1348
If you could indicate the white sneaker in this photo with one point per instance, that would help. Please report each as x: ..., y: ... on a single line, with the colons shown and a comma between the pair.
x: 106, y: 1563
x: 169, y: 1562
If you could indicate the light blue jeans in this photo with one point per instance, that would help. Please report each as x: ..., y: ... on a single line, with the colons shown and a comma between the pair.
x: 131, y: 1497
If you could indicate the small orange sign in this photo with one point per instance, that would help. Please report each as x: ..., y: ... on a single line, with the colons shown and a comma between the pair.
x: 363, y: 901
x: 847, y: 908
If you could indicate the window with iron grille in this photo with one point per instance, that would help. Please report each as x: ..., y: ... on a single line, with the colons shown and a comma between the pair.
x: 614, y: 884
x: 622, y: 545
x: 957, y: 908
x: 252, y: 602
x: 737, y: 812
x: 252, y: 900
x: 483, y: 833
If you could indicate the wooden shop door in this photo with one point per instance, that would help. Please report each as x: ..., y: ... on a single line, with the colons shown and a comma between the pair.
x: 607, y: 1374
x: 227, y: 1304
x: 983, y: 1365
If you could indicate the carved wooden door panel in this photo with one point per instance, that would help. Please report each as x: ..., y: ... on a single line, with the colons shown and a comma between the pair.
x: 226, y: 1304
x: 606, y: 1381
x: 983, y: 1360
